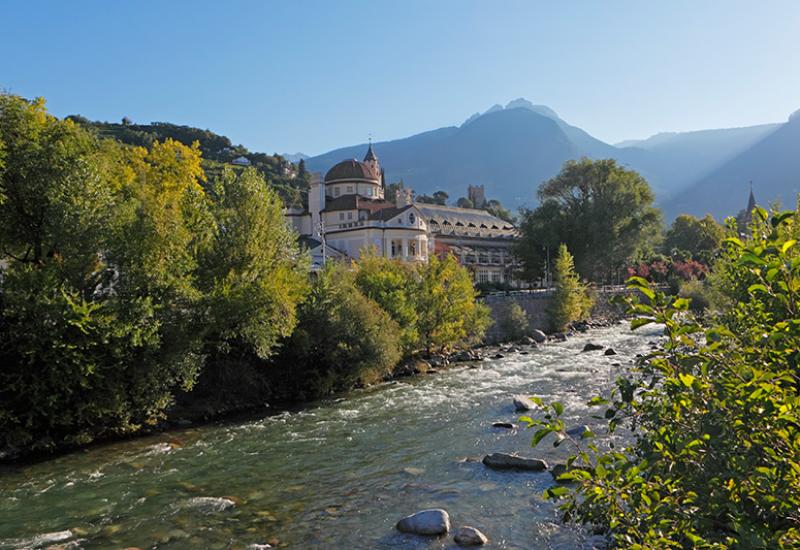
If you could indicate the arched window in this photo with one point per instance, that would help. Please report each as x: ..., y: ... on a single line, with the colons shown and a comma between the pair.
x: 412, y: 218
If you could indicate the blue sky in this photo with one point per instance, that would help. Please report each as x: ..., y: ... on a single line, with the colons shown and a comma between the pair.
x: 314, y: 75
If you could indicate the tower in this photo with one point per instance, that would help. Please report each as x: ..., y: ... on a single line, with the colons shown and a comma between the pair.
x: 371, y: 160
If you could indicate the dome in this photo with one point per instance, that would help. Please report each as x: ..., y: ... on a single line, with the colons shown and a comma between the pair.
x: 351, y: 170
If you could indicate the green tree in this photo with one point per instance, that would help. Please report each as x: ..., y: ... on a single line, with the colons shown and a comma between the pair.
x: 252, y: 275
x: 98, y: 243
x: 449, y: 314
x: 697, y: 237
x: 343, y: 339
x: 464, y: 202
x: 394, y: 286
x: 571, y: 300
x: 601, y: 211
x: 494, y: 208
x: 440, y: 197
x: 513, y: 322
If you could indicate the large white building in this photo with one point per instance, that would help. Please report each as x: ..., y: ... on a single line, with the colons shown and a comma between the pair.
x: 347, y: 212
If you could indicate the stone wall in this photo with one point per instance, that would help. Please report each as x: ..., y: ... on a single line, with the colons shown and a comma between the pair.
x: 535, y: 303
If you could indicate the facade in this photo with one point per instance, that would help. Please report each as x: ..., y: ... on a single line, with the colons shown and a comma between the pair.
x: 348, y: 214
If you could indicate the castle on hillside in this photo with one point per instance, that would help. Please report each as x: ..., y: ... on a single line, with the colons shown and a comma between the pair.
x: 348, y: 213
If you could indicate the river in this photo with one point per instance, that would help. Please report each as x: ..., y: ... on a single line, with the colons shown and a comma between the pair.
x: 337, y: 474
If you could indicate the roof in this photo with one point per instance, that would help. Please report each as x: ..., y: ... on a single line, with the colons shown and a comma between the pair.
x: 462, y: 217
x: 353, y: 202
x: 352, y: 170
x: 387, y: 213
x: 370, y: 154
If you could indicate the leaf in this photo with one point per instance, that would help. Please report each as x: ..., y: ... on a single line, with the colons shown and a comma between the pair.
x: 640, y: 322
x: 558, y: 407
x: 787, y: 245
x: 687, y: 379
x: 539, y: 435
x: 778, y: 219
x: 752, y: 289
x: 556, y: 492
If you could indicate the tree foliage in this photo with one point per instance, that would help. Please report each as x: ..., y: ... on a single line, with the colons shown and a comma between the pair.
x: 571, y: 300
x: 343, y: 339
x: 715, y: 462
x: 448, y: 312
x: 601, y: 211
x: 697, y: 238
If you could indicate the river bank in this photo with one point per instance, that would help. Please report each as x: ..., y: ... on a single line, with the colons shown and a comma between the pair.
x: 338, y: 473
x: 203, y: 407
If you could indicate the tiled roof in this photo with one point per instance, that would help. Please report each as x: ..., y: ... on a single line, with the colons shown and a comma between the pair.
x: 352, y: 170
x: 462, y: 217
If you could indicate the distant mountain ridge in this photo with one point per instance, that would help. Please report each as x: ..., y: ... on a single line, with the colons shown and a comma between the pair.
x: 512, y: 149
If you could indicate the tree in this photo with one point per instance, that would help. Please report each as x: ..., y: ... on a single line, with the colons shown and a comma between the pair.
x: 464, y: 202
x: 494, y: 208
x: 602, y: 212
x: 513, y: 322
x: 252, y: 275
x: 343, y: 339
x: 394, y: 286
x: 439, y: 197
x: 571, y: 301
x: 99, y: 243
x: 449, y: 314
x: 697, y: 237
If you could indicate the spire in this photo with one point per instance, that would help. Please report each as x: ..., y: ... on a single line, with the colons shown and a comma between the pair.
x: 370, y: 156
x: 751, y: 201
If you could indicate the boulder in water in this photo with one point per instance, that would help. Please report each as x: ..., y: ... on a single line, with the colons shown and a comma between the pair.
x: 469, y: 536
x: 506, y: 425
x: 539, y: 336
x: 498, y: 356
x: 610, y: 351
x: 504, y: 461
x: 522, y: 403
x: 592, y: 347
x: 426, y: 522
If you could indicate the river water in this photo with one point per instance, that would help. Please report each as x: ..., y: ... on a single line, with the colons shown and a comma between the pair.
x: 337, y: 474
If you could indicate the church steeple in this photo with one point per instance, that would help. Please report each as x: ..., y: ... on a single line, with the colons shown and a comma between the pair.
x: 371, y: 160
x: 751, y: 201
x: 370, y: 156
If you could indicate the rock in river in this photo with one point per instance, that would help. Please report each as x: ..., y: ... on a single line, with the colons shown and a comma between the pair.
x: 610, y: 351
x: 539, y: 336
x: 522, y: 403
x: 506, y: 425
x: 209, y: 505
x: 504, y: 461
x: 427, y: 522
x: 592, y: 347
x: 469, y: 536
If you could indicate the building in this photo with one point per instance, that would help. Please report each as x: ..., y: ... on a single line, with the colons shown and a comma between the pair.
x: 241, y: 161
x: 348, y: 213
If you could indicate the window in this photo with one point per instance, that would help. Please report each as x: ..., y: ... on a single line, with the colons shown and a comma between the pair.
x: 411, y: 218
x: 349, y: 215
x: 349, y: 188
x: 483, y: 276
x: 412, y: 247
x: 341, y: 216
x: 397, y: 248
x: 336, y: 191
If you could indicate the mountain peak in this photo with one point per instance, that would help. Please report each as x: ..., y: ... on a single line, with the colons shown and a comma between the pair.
x: 795, y: 116
x: 519, y: 103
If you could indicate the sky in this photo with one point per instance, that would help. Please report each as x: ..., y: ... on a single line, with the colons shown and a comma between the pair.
x: 311, y: 76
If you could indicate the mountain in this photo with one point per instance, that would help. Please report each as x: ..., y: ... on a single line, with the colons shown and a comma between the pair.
x: 509, y: 151
x: 682, y: 158
x: 772, y: 164
x: 512, y: 149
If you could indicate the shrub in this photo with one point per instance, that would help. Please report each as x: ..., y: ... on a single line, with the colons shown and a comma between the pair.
x: 715, y: 461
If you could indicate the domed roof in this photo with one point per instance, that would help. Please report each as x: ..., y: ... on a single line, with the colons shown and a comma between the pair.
x: 351, y: 170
